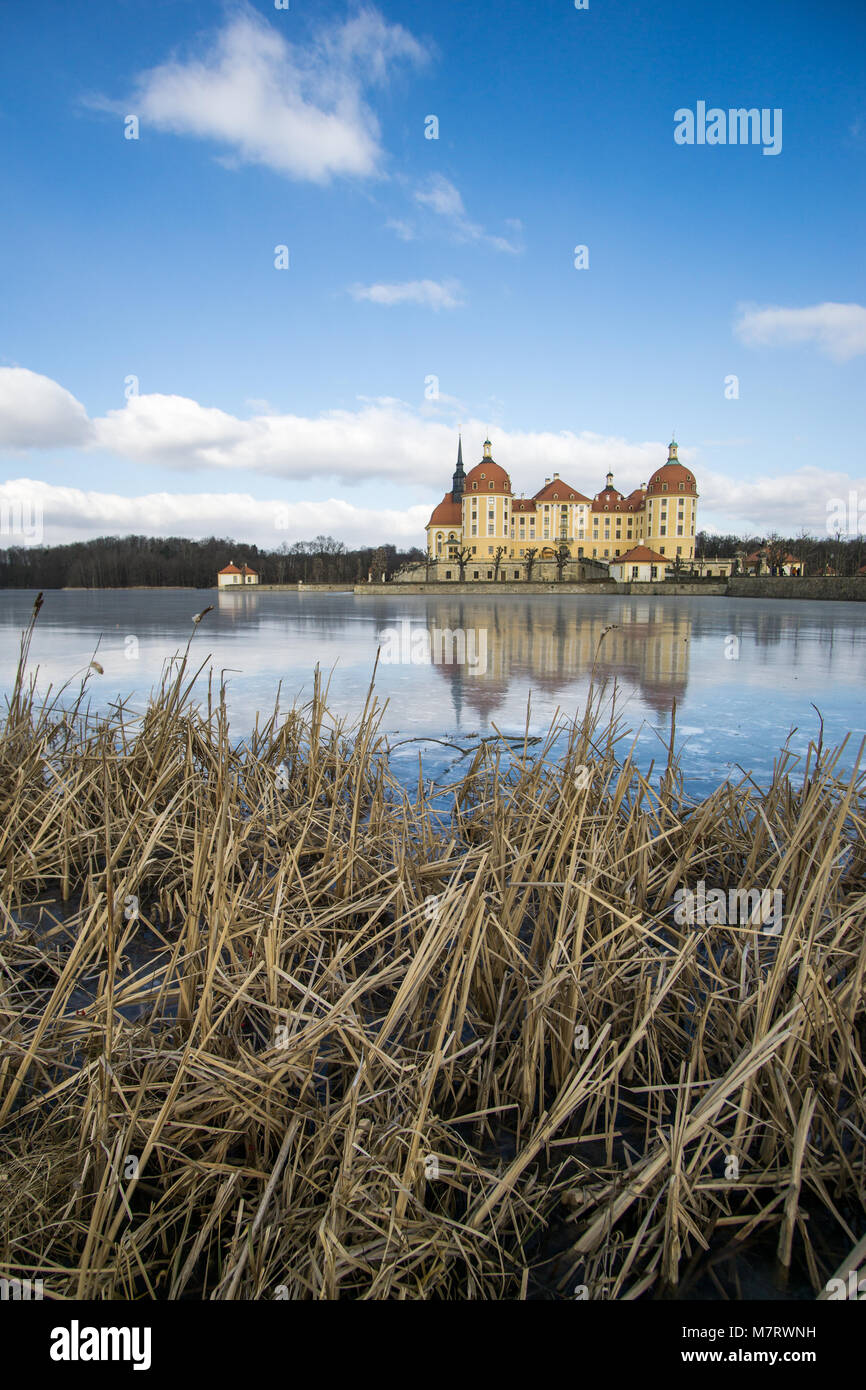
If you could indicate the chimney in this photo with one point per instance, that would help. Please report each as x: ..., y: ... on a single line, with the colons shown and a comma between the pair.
x: 555, y: 476
x: 546, y: 481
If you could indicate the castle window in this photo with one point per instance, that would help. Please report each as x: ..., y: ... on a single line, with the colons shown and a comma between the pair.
x: 490, y: 485
x: 490, y: 574
x: 475, y: 485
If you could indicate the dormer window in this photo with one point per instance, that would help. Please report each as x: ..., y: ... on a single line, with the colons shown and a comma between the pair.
x: 490, y: 485
x: 475, y: 485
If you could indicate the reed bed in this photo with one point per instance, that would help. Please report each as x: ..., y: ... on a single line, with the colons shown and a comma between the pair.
x: 272, y: 1026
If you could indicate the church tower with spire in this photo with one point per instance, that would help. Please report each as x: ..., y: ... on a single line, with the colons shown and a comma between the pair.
x: 458, y: 480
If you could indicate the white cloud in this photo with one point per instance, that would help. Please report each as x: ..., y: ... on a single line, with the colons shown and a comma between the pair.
x: 381, y: 438
x: 787, y: 503
x: 839, y: 330
x: 37, y: 413
x: 299, y: 111
x: 441, y: 197
x: 431, y: 294
x: 70, y: 513
x: 404, y: 230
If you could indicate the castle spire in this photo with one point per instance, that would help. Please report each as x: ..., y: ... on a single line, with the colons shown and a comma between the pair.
x: 458, y: 481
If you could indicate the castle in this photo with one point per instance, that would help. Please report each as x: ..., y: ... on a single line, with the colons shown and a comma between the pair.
x: 650, y: 529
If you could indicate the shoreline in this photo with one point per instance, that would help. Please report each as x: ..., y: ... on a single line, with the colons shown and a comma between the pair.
x: 819, y: 588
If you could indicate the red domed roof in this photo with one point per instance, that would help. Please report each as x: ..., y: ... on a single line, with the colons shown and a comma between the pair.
x: 479, y: 478
x: 673, y: 474
x: 447, y: 513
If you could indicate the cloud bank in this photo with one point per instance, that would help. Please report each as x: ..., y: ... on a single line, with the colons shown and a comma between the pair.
x: 383, y: 439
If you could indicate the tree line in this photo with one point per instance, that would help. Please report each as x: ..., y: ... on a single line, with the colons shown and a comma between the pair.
x: 836, y: 553
x: 122, y: 562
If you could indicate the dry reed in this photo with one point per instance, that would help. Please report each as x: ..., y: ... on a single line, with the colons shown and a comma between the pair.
x: 272, y: 1026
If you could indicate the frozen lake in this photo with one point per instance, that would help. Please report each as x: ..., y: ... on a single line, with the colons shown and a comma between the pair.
x: 744, y: 673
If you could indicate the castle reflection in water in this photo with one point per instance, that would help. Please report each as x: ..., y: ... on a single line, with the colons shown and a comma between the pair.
x: 647, y: 650
x: 546, y: 641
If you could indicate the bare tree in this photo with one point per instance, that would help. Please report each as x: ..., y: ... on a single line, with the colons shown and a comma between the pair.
x: 463, y: 556
x: 775, y: 552
x: 561, y: 559
x: 379, y: 565
x: 499, y: 555
x: 529, y: 561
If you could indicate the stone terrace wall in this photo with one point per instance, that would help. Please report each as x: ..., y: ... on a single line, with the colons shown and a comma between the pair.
x: 489, y: 588
x: 775, y: 586
x: 520, y: 586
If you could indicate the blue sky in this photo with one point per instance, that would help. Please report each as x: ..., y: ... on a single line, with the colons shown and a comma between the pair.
x: 274, y: 404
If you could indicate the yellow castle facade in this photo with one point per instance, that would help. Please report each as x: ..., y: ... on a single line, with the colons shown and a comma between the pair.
x: 481, y: 520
